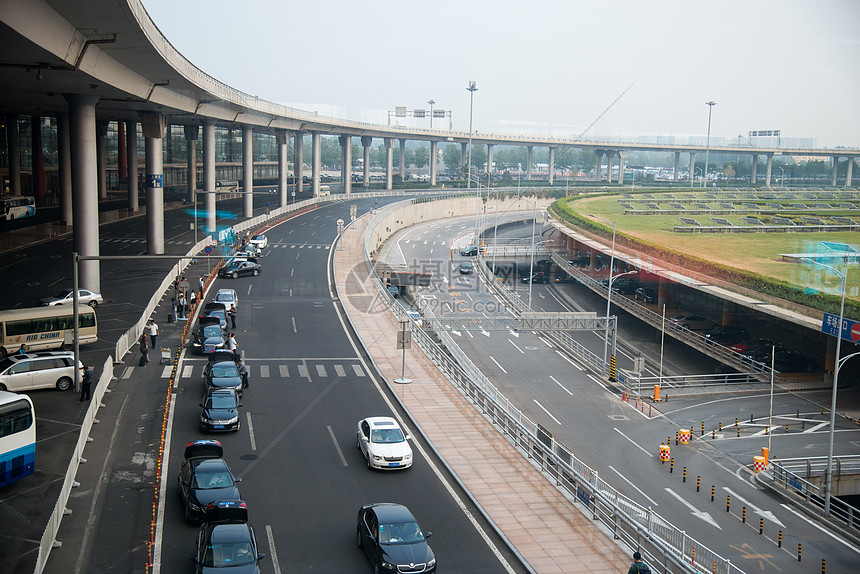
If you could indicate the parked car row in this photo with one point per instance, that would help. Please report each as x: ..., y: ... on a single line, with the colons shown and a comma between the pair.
x: 246, y: 260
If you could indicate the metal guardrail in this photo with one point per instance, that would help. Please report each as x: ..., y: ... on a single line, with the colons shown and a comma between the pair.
x: 791, y: 476
x: 668, y: 549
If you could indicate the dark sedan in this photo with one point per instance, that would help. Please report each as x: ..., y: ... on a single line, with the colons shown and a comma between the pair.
x: 538, y: 277
x: 392, y: 540
x: 207, y: 339
x: 470, y: 251
x: 226, y: 541
x: 240, y: 268
x: 220, y: 411
x: 204, y: 477
x: 221, y: 372
x: 727, y: 334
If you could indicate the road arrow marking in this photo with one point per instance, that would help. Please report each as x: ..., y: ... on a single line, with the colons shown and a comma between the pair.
x: 696, y: 512
x: 763, y: 513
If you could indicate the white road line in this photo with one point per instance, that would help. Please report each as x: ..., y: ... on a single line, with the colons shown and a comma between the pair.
x: 763, y: 513
x: 251, y: 431
x: 566, y: 358
x: 293, y: 319
x: 598, y: 382
x: 162, y: 500
x: 358, y: 372
x: 498, y: 365
x: 303, y: 372
x: 816, y: 427
x: 251, y: 286
x: 547, y: 412
x: 624, y: 478
x: 186, y: 371
x: 272, y: 552
x: 292, y: 271
x: 284, y: 371
x: 126, y: 373
x: 264, y: 371
x: 321, y: 371
x: 337, y: 446
x: 165, y: 371
x: 338, y: 370
x: 511, y: 341
x: 547, y: 343
x: 695, y: 511
x: 560, y: 385
x: 633, y: 442
x: 831, y: 535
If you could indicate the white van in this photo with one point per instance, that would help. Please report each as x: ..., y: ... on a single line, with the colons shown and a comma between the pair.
x: 324, y: 190
x: 44, y: 370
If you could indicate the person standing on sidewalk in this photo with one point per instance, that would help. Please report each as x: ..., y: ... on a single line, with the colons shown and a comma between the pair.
x: 153, y: 332
x: 231, y: 312
x: 201, y: 284
x: 182, y: 306
x: 86, y: 384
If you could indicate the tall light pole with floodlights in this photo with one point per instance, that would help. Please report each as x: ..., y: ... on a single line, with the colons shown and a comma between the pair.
x: 828, y: 476
x: 710, y: 105
x: 431, y: 102
x: 472, y: 87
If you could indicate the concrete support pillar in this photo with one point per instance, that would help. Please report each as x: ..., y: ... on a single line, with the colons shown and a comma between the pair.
x: 316, y: 155
x: 403, y: 160
x: 551, y: 165
x: 282, y: 137
x: 464, y: 155
x: 622, y: 155
x: 489, y: 163
x: 64, y: 159
x: 131, y: 158
x: 730, y: 313
x: 663, y: 294
x: 346, y: 163
x: 692, y: 169
x: 769, y: 170
x: 121, y: 158
x: 835, y: 160
x: 82, y: 138
x: 153, y: 133
x: 677, y: 174
x: 754, y: 169
x: 209, y: 176
x: 610, y: 155
x: 14, y: 142
x: 848, y: 172
x: 38, y: 160
x: 599, y: 154
x: 366, y: 142
x: 434, y: 159
x: 191, y: 133
x: 389, y: 162
x: 101, y: 156
x: 248, y: 171
x: 299, y: 160
x: 529, y: 161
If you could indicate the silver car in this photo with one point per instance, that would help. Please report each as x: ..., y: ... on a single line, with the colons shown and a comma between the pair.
x: 66, y: 297
x: 228, y: 297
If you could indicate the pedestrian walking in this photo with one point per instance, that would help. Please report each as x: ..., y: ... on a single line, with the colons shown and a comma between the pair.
x: 201, y: 284
x: 182, y: 305
x: 153, y: 332
x: 231, y: 343
x: 192, y: 298
x: 243, y: 372
x: 638, y: 566
x: 231, y: 312
x: 86, y: 384
x: 144, y: 350
x: 175, y: 307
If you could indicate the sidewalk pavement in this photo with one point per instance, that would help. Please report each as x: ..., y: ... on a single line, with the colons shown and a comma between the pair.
x: 542, y: 524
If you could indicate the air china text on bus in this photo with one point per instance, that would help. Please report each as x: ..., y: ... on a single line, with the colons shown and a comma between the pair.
x: 17, y: 437
x: 17, y: 207
x: 41, y: 328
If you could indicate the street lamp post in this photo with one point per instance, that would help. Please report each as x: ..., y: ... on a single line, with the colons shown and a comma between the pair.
x: 431, y: 102
x: 782, y: 171
x: 472, y: 87
x: 710, y: 105
x: 699, y: 170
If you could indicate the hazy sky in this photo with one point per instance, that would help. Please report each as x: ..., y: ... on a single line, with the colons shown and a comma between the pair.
x: 550, y: 67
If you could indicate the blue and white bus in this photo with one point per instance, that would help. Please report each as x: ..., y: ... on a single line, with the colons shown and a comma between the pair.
x: 17, y: 207
x: 17, y: 437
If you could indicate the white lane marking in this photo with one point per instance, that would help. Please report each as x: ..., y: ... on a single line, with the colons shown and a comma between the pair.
x: 264, y: 371
x: 272, y: 552
x: 251, y: 431
x: 186, y: 371
x: 633, y: 442
x: 695, y: 511
x: 515, y: 346
x: 547, y: 343
x: 816, y: 427
x: 598, y: 382
x: 763, y: 513
x: 624, y: 478
x: 498, y: 365
x: 321, y: 371
x: 251, y: 286
x: 338, y: 370
x: 284, y: 371
x: 303, y: 372
x: 293, y: 319
x: 358, y: 372
x: 566, y: 358
x: 165, y: 372
x: 292, y: 271
x: 162, y: 500
x: 547, y: 412
x: 126, y: 373
x: 825, y: 531
x: 560, y: 385
x: 336, y: 446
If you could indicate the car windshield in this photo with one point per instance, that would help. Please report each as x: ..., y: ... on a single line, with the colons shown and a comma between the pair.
x: 220, y: 313
x: 211, y: 331
x: 221, y: 402
x: 386, y: 435
x: 62, y: 294
x: 210, y: 480
x: 259, y: 237
x: 400, y: 533
x: 229, y: 554
x: 224, y: 297
x: 221, y: 370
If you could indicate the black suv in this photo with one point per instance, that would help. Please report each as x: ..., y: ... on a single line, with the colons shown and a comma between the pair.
x: 727, y: 334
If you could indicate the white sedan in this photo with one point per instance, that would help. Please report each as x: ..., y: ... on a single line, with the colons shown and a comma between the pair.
x: 383, y: 443
x: 66, y: 297
x: 259, y: 241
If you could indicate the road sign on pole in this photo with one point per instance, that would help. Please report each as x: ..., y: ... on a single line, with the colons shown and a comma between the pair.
x: 850, y: 327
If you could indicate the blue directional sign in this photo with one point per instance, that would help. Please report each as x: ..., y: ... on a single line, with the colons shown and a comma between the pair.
x: 154, y: 180
x: 850, y: 327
